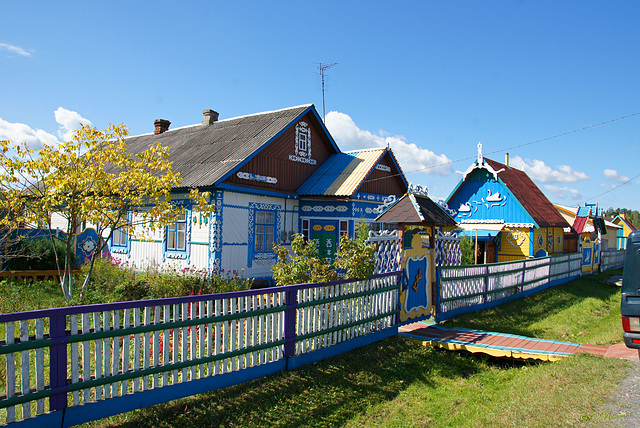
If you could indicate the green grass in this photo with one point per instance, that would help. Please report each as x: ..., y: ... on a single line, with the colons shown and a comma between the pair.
x: 398, y: 383
x: 586, y: 310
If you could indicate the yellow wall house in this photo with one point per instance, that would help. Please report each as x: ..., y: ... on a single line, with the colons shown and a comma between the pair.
x: 626, y: 229
x: 505, y: 214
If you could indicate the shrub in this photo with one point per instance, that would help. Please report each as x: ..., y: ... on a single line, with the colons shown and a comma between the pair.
x: 36, y: 254
x: 303, y: 266
x: 354, y: 256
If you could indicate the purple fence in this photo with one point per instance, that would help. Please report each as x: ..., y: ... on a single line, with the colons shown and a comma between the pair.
x: 67, y: 366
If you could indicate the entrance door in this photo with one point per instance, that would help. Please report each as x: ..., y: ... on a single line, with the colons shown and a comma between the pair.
x: 325, y: 234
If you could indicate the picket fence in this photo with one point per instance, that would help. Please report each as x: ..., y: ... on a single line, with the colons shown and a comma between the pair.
x: 67, y: 366
x: 611, y: 259
x: 462, y: 289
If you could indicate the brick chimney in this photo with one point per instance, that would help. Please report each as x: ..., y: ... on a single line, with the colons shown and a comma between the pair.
x: 161, y: 125
x: 209, y: 116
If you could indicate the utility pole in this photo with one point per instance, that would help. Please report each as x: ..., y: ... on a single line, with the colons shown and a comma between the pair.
x: 322, y: 68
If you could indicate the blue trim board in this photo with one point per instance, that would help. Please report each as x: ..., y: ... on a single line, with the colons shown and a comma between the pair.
x: 240, y: 189
x: 340, y: 348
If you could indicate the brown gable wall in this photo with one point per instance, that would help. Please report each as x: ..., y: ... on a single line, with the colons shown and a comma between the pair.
x: 273, y: 161
x: 383, y: 182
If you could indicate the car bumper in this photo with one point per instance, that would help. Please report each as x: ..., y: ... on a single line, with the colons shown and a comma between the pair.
x: 629, y: 338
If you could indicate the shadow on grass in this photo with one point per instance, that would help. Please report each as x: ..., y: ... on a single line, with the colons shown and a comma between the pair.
x: 517, y: 316
x: 328, y: 393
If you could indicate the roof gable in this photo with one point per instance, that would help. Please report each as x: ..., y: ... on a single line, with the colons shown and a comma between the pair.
x: 491, y: 192
x: 343, y: 174
x: 529, y: 195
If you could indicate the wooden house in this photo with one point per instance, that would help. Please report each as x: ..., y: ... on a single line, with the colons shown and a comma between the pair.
x: 505, y: 213
x: 585, y: 224
x: 267, y: 175
x: 348, y: 188
x: 626, y: 228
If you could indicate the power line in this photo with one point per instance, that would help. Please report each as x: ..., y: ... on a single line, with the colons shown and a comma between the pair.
x: 613, y: 188
x: 518, y: 146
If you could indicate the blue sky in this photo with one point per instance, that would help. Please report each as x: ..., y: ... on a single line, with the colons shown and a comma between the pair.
x: 430, y: 79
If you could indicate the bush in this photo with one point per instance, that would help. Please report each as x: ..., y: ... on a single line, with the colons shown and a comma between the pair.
x: 354, y: 256
x: 113, y: 280
x: 37, y: 254
x: 467, y: 249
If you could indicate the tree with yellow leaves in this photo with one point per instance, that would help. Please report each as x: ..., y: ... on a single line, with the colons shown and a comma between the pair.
x: 91, y: 179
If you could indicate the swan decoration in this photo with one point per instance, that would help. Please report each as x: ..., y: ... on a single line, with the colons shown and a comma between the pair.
x: 495, y: 200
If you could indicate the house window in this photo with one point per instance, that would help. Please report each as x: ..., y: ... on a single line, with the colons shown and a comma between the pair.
x: 177, y: 234
x: 305, y: 229
x: 119, y: 238
x: 302, y: 142
x: 265, y: 227
x: 344, y: 228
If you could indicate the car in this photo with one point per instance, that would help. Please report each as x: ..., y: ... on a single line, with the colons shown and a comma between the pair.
x: 630, y: 302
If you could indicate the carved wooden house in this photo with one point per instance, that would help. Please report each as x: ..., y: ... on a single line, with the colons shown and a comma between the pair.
x: 505, y: 213
x: 270, y: 175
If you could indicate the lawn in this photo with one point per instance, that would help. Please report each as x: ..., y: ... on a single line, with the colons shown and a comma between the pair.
x: 585, y: 310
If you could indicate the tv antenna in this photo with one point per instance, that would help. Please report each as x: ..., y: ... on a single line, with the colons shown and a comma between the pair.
x: 322, y: 67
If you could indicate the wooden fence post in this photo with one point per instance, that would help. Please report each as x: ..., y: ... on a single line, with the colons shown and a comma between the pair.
x: 58, y: 362
x: 291, y: 305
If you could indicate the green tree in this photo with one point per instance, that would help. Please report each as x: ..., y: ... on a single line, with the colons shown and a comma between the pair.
x: 91, y: 179
x: 466, y: 247
x: 303, y: 265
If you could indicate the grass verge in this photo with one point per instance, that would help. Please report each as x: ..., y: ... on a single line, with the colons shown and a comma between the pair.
x: 585, y: 310
x: 398, y: 383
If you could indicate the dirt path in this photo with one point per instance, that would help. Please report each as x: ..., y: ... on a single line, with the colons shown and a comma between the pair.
x: 626, y: 401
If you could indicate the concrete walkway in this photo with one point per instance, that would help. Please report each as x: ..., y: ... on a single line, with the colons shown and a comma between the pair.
x: 507, y: 345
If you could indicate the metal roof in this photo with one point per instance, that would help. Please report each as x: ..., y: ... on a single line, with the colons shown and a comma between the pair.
x: 415, y: 209
x: 342, y: 174
x: 206, y: 154
x: 529, y: 195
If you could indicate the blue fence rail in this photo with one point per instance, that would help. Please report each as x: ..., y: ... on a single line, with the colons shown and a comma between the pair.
x: 67, y: 366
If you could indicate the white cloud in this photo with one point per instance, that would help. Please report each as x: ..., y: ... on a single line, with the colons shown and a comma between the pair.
x: 35, y: 138
x: 69, y: 121
x: 21, y: 133
x: 563, y: 192
x: 540, y: 172
x: 14, y: 49
x: 411, y: 157
x: 612, y: 174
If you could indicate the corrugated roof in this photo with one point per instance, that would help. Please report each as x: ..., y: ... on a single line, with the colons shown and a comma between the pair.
x: 579, y: 223
x: 529, y: 195
x: 416, y: 209
x: 342, y: 174
x: 204, y: 154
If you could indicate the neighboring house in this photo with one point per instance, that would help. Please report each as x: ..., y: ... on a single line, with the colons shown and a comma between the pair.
x: 266, y: 174
x: 586, y: 224
x: 348, y: 188
x: 505, y: 213
x: 626, y: 228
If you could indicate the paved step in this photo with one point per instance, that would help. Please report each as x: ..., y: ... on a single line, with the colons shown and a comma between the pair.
x: 506, y: 345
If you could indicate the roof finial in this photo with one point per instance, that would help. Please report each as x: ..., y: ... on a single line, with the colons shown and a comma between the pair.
x: 480, y: 159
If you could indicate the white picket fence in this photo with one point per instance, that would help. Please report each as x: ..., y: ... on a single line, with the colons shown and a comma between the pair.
x: 469, y: 288
x: 611, y: 259
x: 67, y: 366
